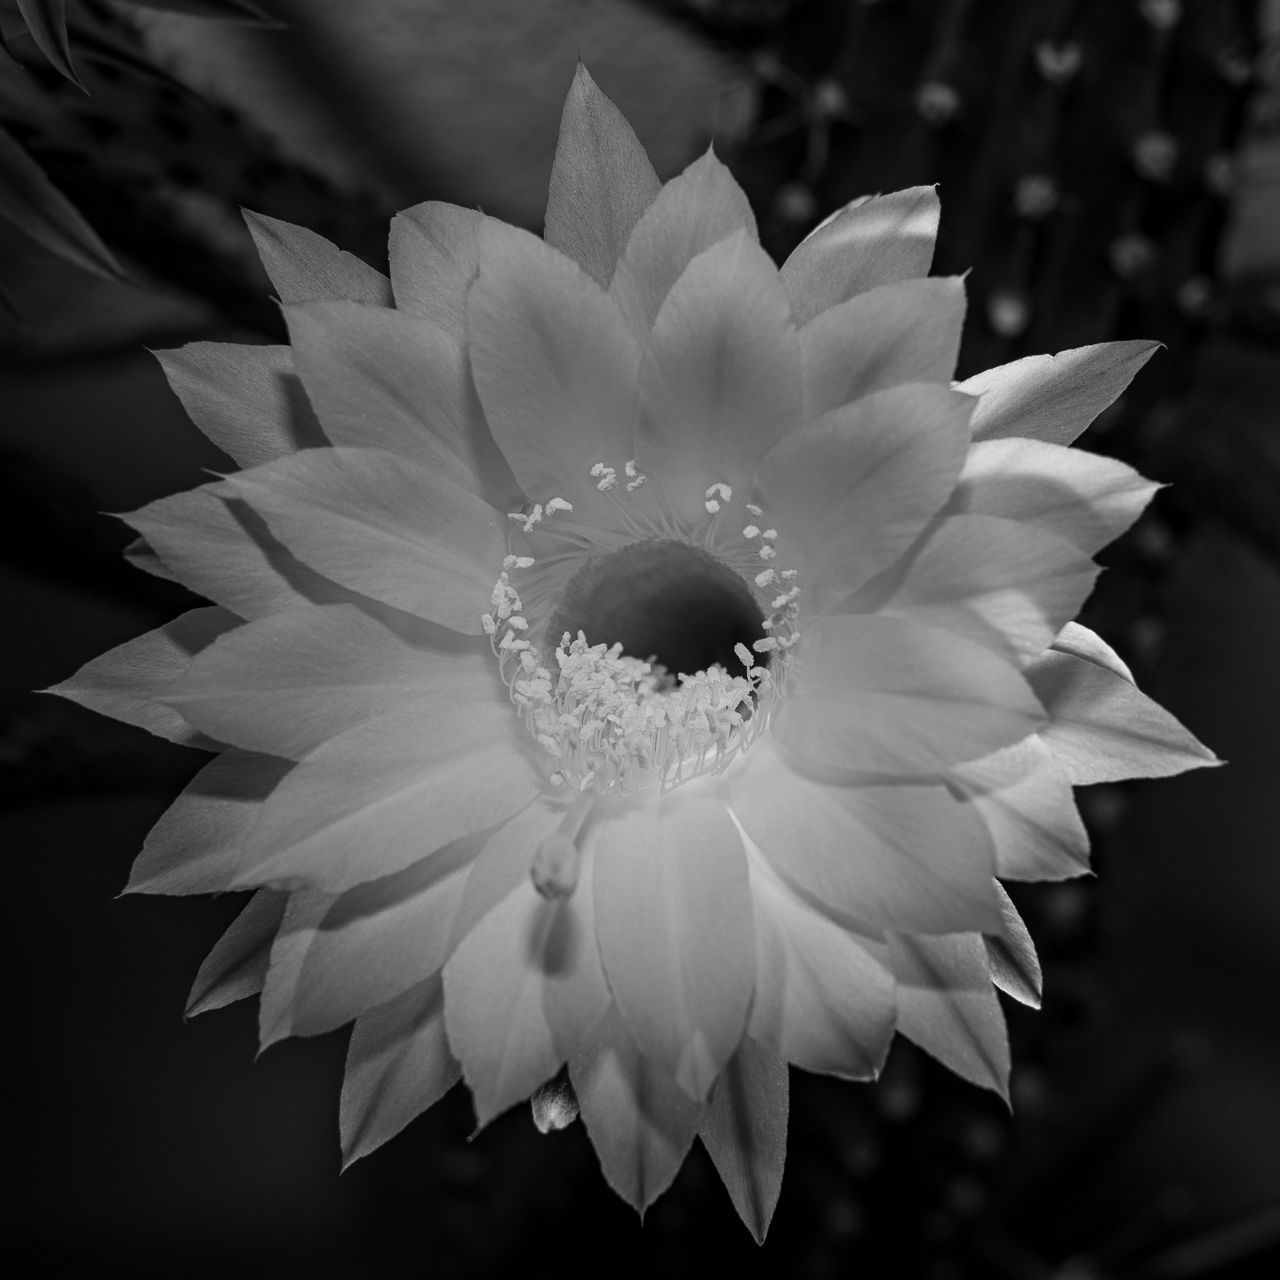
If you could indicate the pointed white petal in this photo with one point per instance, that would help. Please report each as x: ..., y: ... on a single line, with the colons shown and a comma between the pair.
x: 1015, y: 967
x: 237, y: 965
x: 303, y: 265
x: 434, y: 257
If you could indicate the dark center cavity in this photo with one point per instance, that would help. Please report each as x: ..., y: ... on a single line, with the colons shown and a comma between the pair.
x: 665, y: 602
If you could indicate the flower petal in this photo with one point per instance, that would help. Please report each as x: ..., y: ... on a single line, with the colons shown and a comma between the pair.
x: 237, y: 965
x: 247, y: 399
x: 852, y: 490
x: 720, y: 379
x: 745, y: 1132
x: 303, y: 265
x: 640, y: 1121
x: 398, y: 1065
x: 673, y: 916
x: 292, y: 680
x: 377, y: 798
x: 195, y: 846
x: 601, y: 181
x: 881, y: 695
x: 1015, y: 967
x: 528, y: 956
x: 1030, y: 810
x: 1002, y: 583
x: 947, y: 1005
x: 906, y: 332
x: 824, y: 995
x: 896, y: 857
x: 1053, y: 398
x: 125, y: 682
x: 382, y: 526
x: 434, y: 258
x: 553, y: 362
x: 1082, y: 497
x: 695, y: 210
x: 1102, y: 728
x: 867, y: 243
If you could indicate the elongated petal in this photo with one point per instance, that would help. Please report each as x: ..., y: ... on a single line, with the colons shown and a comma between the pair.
x: 1082, y: 497
x: 383, y: 379
x: 553, y: 361
x: 247, y: 399
x: 673, y: 915
x: 126, y: 682
x: 223, y: 550
x: 824, y: 995
x: 1053, y: 398
x: 851, y: 491
x: 720, y: 380
x: 434, y: 257
x: 370, y: 944
x: 1080, y: 642
x: 947, y: 1005
x: 905, y: 332
x: 303, y: 265
x: 745, y: 1132
x: 896, y: 857
x: 882, y: 695
x: 195, y: 846
x: 999, y: 582
x: 866, y: 244
x: 1015, y: 967
x: 695, y: 210
x: 291, y: 681
x: 384, y: 527
x: 1028, y: 805
x: 1102, y: 728
x: 398, y: 1065
x: 640, y: 1121
x: 375, y: 799
x: 601, y: 181
x: 237, y: 965
x: 526, y: 972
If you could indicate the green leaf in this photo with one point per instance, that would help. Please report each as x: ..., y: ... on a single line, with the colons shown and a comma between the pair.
x: 47, y: 22
x: 32, y: 203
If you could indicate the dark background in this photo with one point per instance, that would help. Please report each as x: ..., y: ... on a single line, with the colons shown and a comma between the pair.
x: 1108, y: 170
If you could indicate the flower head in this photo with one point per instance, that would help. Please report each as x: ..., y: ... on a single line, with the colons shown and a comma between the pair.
x: 629, y: 655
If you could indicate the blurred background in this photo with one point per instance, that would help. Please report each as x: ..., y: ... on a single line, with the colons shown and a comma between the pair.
x: 1108, y: 169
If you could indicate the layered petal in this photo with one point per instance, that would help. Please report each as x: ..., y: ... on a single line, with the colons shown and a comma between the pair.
x: 870, y: 242
x: 601, y: 181
x: 127, y: 682
x: 720, y: 380
x: 1082, y: 497
x: 909, y: 857
x: 237, y: 965
x: 398, y: 1065
x: 1015, y: 967
x: 885, y: 696
x: 1053, y: 398
x: 290, y: 681
x: 947, y: 1005
x: 852, y: 490
x: 247, y: 399
x: 1102, y: 728
x: 434, y: 252
x: 905, y: 332
x: 824, y: 994
x: 554, y: 363
x: 303, y: 265
x: 195, y: 846
x: 1028, y: 805
x: 378, y: 797
x: 1002, y: 583
x: 640, y: 1121
x: 523, y: 991
x: 745, y: 1132
x: 674, y: 921
x: 695, y: 210
x: 384, y: 527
